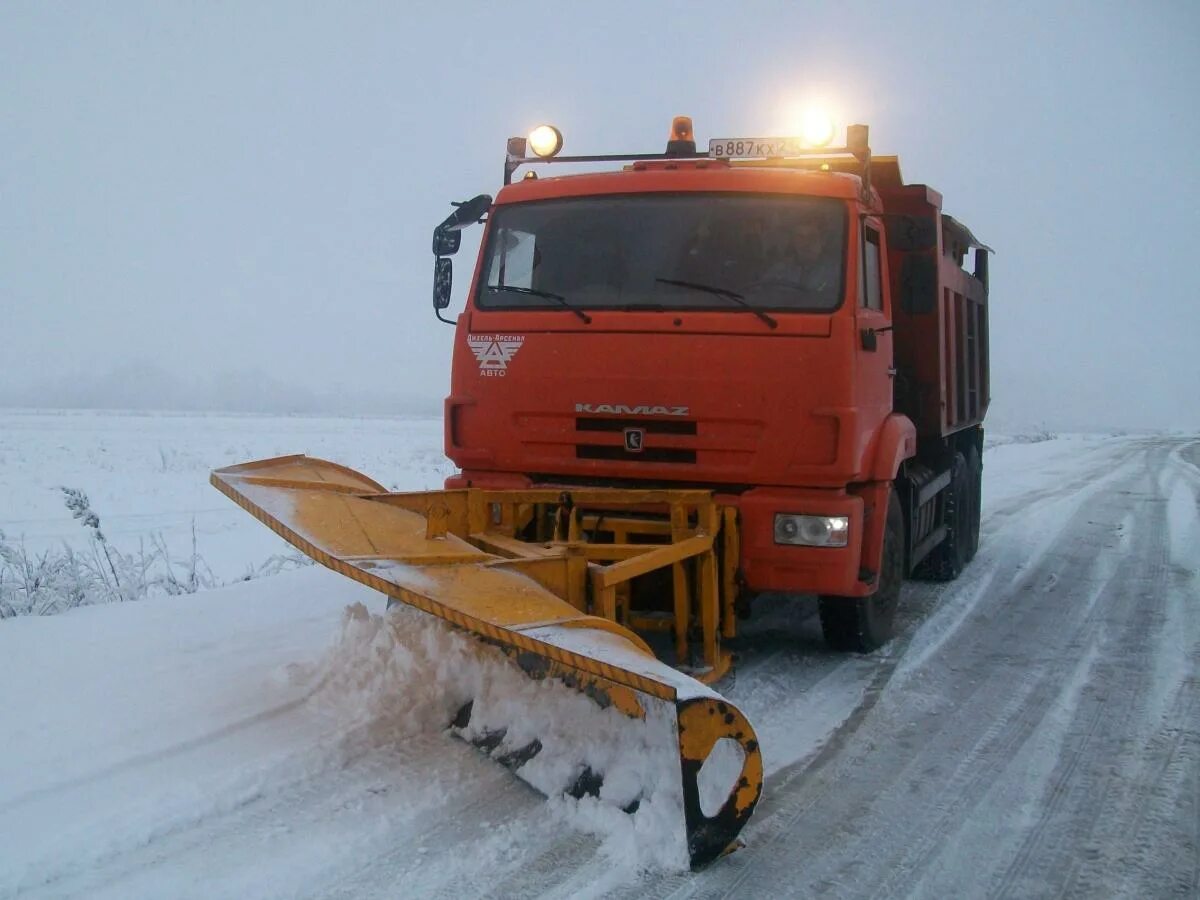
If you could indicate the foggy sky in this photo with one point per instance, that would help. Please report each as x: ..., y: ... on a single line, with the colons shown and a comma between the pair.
x: 225, y: 192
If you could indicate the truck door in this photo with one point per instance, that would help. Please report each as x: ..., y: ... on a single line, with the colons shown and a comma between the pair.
x: 875, y: 363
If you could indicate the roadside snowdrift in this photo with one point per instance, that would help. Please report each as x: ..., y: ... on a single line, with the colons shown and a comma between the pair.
x: 132, y: 725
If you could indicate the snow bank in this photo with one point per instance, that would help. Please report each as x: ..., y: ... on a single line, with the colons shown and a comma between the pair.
x: 125, y: 723
x: 282, y: 728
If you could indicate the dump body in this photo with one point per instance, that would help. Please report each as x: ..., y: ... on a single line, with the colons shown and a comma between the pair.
x: 941, y: 328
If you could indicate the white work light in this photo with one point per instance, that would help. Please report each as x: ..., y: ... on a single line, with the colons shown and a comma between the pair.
x: 545, y: 141
x: 816, y: 128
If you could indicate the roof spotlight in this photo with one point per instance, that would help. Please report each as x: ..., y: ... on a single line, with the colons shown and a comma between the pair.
x: 817, y: 128
x: 545, y: 141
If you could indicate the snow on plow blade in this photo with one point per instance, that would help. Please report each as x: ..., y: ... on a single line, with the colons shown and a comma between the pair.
x: 427, y: 550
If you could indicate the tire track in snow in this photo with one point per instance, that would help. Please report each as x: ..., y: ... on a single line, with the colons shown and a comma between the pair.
x: 1132, y: 614
x: 1016, y: 721
x: 1129, y: 615
x: 1013, y: 546
x: 1165, y: 753
x: 1172, y: 762
x: 1102, y: 460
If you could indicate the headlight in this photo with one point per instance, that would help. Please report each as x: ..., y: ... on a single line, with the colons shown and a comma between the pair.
x: 812, y: 531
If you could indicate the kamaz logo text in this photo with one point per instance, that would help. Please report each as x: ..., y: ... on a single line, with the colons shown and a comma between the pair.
x: 495, y: 351
x: 620, y: 409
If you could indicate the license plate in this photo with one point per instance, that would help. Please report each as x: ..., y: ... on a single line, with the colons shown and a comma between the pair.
x: 754, y: 148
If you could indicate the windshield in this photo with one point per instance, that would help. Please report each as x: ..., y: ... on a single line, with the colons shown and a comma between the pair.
x: 654, y: 251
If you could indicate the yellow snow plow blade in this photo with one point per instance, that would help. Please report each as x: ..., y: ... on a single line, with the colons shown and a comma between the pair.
x: 552, y: 604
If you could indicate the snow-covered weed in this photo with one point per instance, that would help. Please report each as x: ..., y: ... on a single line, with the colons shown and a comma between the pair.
x: 57, y: 580
x: 37, y: 584
x: 274, y: 564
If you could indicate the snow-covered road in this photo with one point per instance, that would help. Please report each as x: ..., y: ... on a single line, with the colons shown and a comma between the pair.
x: 1033, y: 730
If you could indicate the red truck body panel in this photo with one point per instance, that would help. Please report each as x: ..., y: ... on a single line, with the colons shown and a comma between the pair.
x: 941, y: 338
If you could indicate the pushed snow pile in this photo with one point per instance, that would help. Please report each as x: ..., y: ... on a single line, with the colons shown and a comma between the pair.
x: 389, y: 677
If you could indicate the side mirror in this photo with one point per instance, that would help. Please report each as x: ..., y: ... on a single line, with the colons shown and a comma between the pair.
x: 443, y: 279
x: 447, y: 238
x: 911, y: 233
x: 446, y: 243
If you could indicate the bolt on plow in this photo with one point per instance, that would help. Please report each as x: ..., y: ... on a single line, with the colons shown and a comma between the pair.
x: 562, y: 581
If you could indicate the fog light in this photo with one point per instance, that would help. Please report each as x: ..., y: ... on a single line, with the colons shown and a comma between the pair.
x: 812, y: 531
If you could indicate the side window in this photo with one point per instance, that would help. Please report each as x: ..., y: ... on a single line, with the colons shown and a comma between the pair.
x: 512, y: 264
x: 872, y: 295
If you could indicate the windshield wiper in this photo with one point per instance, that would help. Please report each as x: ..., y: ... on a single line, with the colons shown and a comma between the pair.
x: 721, y: 292
x: 534, y: 292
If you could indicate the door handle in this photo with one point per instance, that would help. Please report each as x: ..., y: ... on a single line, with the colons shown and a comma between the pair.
x: 868, y: 336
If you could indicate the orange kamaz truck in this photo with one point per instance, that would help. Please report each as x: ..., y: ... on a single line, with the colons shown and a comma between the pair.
x: 787, y: 326
x: 696, y: 378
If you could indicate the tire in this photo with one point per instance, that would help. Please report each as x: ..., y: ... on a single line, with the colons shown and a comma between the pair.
x: 975, y: 487
x: 864, y: 624
x: 945, y: 562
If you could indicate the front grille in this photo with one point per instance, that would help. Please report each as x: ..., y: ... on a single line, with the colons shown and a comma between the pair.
x: 650, y: 426
x: 649, y: 454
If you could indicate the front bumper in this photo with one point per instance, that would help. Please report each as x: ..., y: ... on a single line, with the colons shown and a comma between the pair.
x: 768, y: 566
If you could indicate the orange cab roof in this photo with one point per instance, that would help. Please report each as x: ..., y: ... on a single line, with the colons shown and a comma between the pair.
x: 685, y: 176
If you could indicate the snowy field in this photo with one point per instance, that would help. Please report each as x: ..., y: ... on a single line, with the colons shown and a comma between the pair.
x: 146, y: 475
x: 283, y: 738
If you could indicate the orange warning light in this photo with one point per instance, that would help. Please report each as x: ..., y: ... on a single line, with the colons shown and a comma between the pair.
x: 681, y: 129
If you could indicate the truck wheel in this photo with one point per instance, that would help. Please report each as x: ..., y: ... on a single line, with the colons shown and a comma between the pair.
x: 864, y: 624
x: 975, y: 489
x: 946, y: 560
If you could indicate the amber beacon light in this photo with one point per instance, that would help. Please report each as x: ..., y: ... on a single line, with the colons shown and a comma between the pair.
x: 681, y: 140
